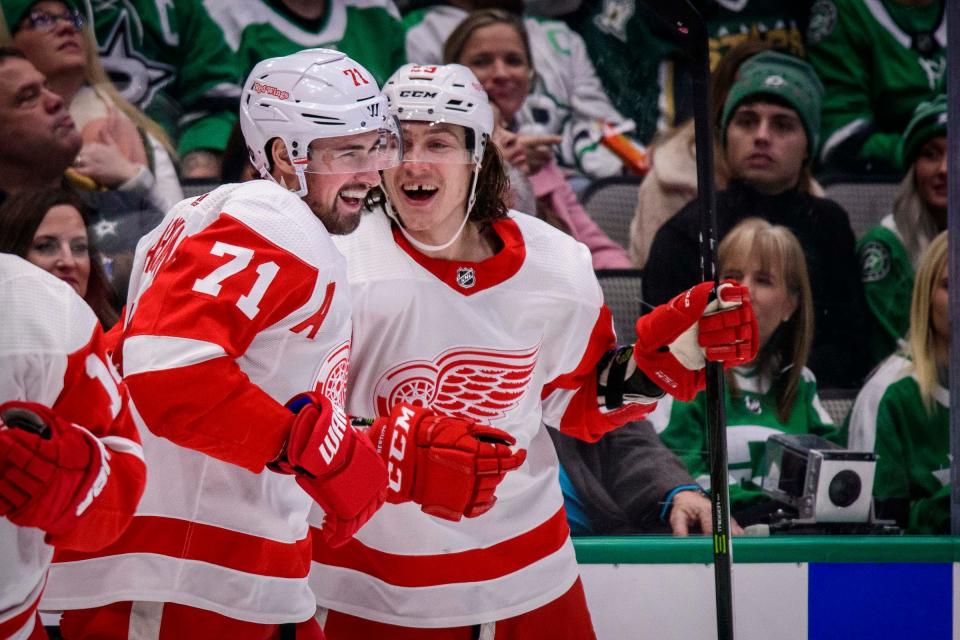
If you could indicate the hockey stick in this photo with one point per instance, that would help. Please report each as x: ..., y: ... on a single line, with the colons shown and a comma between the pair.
x: 690, y: 30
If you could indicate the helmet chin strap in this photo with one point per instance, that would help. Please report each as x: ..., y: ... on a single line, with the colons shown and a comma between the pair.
x: 301, y: 179
x: 423, y: 246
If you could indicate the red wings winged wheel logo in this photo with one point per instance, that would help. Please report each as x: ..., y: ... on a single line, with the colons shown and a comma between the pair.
x: 467, y: 381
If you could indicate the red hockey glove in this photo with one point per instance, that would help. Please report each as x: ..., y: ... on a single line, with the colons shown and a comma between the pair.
x: 675, y: 340
x: 449, y: 466
x: 335, y: 464
x: 50, y: 470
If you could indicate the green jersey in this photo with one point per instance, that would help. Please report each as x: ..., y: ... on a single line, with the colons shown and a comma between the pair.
x: 878, y: 60
x: 170, y: 59
x: 887, y: 275
x: 369, y: 31
x: 912, y: 443
x: 644, y: 71
x: 751, y: 419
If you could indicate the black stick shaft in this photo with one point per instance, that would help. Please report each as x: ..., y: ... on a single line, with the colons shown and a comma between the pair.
x: 716, y: 416
x: 690, y: 29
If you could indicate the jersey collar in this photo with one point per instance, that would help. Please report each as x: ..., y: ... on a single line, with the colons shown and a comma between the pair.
x: 468, y: 278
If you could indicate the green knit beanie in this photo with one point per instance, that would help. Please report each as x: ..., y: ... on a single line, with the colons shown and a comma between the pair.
x: 929, y: 121
x: 15, y: 10
x: 786, y: 77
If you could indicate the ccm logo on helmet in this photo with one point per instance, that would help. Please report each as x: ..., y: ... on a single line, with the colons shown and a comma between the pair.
x: 397, y: 448
x: 259, y: 87
x: 409, y: 93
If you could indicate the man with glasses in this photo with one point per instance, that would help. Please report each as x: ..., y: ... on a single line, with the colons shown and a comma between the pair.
x: 238, y: 305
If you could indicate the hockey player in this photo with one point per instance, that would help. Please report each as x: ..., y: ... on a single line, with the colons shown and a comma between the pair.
x: 238, y: 303
x: 473, y: 310
x: 71, y: 467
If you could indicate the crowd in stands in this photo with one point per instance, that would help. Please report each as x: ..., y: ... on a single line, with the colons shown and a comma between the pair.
x: 108, y: 110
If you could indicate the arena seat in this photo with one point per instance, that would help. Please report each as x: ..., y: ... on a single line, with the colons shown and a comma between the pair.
x: 621, y: 292
x: 611, y: 203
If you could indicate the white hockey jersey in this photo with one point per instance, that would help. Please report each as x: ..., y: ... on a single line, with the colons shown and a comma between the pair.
x: 51, y: 353
x: 512, y: 341
x: 238, y: 302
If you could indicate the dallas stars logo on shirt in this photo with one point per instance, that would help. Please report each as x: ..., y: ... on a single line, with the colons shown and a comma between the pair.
x: 875, y: 262
x: 137, y: 78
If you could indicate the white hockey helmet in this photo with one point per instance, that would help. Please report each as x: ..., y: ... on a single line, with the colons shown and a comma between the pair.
x: 311, y: 94
x: 442, y: 93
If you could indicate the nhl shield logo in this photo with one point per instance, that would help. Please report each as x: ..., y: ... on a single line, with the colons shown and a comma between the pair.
x: 466, y: 277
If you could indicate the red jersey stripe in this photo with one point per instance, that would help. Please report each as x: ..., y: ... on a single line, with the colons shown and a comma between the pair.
x: 474, y: 565
x: 14, y: 624
x: 186, y: 540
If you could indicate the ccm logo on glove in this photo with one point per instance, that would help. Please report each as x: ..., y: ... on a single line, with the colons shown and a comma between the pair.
x: 398, y: 447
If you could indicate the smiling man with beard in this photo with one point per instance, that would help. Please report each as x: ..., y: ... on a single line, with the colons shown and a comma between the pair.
x: 769, y: 132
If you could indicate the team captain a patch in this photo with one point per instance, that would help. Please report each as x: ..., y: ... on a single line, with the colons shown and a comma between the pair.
x: 466, y: 277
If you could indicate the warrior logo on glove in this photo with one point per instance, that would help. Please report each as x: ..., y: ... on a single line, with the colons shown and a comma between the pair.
x: 449, y: 466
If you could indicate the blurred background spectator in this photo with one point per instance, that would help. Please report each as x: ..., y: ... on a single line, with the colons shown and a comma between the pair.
x: 672, y: 181
x: 890, y: 251
x: 769, y: 134
x: 40, y: 140
x: 775, y: 393
x: 171, y: 60
x: 646, y: 73
x: 494, y: 45
x: 41, y: 144
x: 369, y: 31
x: 236, y: 165
x: 48, y: 227
x: 565, y: 97
x: 878, y: 60
x: 123, y: 149
x: 903, y: 411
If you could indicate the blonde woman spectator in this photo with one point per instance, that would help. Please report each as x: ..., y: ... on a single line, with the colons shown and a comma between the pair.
x: 903, y: 411
x: 495, y: 46
x: 889, y: 252
x: 123, y: 149
x: 775, y: 393
x: 566, y: 97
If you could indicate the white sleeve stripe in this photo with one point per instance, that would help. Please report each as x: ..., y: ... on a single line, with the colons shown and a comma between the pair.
x: 123, y: 445
x: 142, y: 354
x: 840, y: 135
